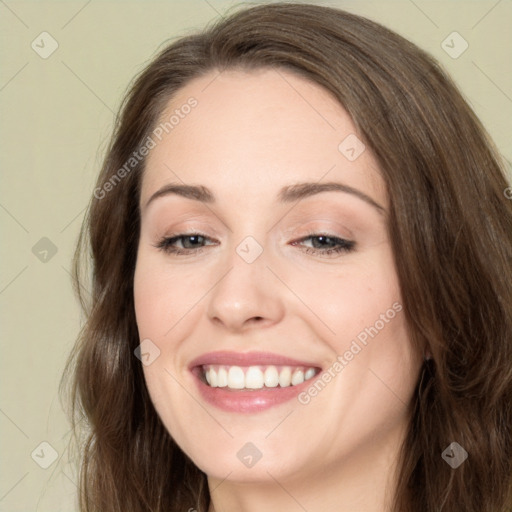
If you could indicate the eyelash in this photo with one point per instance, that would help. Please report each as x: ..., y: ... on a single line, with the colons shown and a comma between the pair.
x: 344, y: 246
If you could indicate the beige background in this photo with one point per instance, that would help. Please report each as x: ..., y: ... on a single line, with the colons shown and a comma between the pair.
x: 57, y: 115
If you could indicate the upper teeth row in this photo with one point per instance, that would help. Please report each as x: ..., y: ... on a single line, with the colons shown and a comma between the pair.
x: 255, y: 377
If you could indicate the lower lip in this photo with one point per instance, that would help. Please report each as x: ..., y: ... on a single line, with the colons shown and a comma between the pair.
x: 248, y: 401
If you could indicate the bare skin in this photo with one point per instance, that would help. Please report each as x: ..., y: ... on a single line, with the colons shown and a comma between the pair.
x: 251, y: 134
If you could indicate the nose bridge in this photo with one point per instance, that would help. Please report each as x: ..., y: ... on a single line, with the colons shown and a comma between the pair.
x: 247, y: 290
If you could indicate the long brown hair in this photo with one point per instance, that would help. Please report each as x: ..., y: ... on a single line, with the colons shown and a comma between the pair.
x: 450, y: 226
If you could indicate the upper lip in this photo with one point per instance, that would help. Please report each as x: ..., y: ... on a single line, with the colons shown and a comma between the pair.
x: 231, y: 358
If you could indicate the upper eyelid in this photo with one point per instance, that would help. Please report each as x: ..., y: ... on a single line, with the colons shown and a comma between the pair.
x: 341, y: 231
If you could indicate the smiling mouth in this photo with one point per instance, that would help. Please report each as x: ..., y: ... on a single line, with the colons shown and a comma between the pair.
x: 253, y: 378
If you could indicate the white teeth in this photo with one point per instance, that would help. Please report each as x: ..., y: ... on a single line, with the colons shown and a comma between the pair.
x: 309, y: 373
x: 213, y: 378
x: 285, y: 377
x: 297, y: 377
x: 236, y: 378
x: 222, y: 378
x: 271, y: 377
x: 256, y: 377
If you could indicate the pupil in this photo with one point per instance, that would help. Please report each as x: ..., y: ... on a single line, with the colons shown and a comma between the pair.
x: 322, y: 238
x: 194, y: 239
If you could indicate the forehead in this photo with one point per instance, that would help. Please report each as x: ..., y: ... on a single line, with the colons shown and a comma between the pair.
x: 257, y: 131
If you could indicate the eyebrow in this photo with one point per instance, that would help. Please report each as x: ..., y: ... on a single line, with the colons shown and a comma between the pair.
x: 287, y: 194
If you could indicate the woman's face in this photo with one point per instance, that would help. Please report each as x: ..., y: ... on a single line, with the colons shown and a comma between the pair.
x: 272, y: 284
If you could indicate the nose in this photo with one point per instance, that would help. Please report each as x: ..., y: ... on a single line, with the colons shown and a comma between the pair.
x: 247, y: 295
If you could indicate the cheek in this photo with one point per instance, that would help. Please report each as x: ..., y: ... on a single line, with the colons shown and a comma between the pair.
x: 148, y: 300
x: 162, y: 296
x: 354, y: 300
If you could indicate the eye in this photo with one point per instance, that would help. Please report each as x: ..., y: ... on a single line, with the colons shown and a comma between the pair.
x: 190, y: 243
x: 194, y: 243
x: 325, y: 244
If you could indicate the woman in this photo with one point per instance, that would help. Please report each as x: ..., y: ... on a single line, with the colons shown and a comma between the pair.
x: 302, y: 281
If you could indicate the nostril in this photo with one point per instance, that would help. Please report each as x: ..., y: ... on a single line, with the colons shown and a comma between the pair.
x: 257, y: 319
